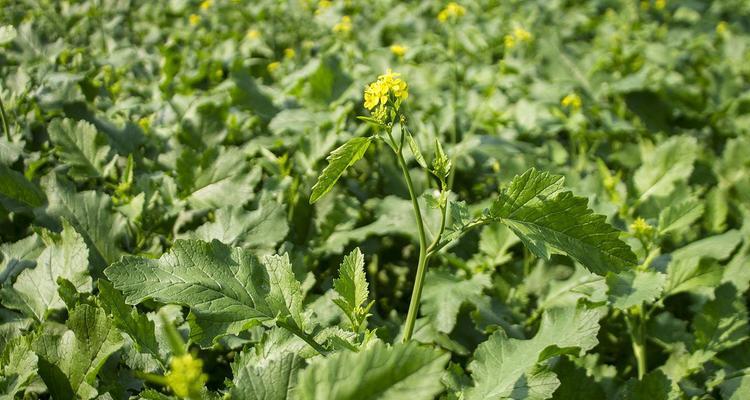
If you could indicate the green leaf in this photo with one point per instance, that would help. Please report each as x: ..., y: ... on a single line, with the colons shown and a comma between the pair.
x: 338, y: 161
x: 18, y: 364
x: 632, y: 288
x: 35, y: 291
x: 268, y: 379
x: 549, y: 220
x: 81, y: 147
x: 352, y: 288
x: 217, y: 178
x: 736, y: 387
x: 444, y: 294
x: 129, y: 320
x: 17, y: 193
x: 7, y: 34
x: 723, y: 321
x: 680, y: 216
x: 235, y: 226
x: 670, y: 162
x: 508, y: 368
x: 227, y: 289
x: 414, y: 147
x: 654, y: 386
x: 575, y: 383
x: 401, y: 371
x: 69, y: 363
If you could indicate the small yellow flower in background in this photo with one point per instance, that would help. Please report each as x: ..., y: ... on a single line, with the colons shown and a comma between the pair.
x: 289, y: 53
x: 308, y: 44
x: 344, y: 26
x: 722, y: 28
x: 253, y: 34
x: 572, y: 101
x: 273, y: 66
x: 660, y: 4
x: 388, y: 87
x: 323, y: 4
x: 452, y: 10
x: 522, y: 35
x: 509, y: 41
x: 194, y: 19
x: 398, y: 50
x: 186, y: 377
x: 641, y: 228
x: 207, y: 4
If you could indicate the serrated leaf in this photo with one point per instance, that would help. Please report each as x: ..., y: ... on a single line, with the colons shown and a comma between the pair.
x: 18, y: 364
x: 680, y: 216
x: 505, y: 368
x: 338, y: 161
x: 414, y: 147
x: 129, y: 320
x: 35, y: 290
x: 227, y: 289
x: 444, y: 294
x: 351, y: 287
x: 632, y: 288
x: 81, y: 147
x: 655, y: 385
x: 269, y: 379
x: 17, y: 193
x: 401, y: 371
x: 670, y: 162
x: 218, y: 178
x: 723, y: 321
x: 549, y: 220
x: 69, y: 363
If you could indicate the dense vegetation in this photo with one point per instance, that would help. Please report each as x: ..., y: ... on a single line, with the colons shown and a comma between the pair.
x: 356, y: 200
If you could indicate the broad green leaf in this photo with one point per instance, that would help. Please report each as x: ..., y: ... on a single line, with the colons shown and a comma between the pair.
x: 91, y: 214
x: 69, y: 363
x: 654, y: 386
x: 18, y: 364
x: 268, y: 379
x: 80, y: 146
x: 218, y: 179
x: 549, y: 220
x: 575, y: 383
x: 351, y: 287
x: 691, y: 266
x: 505, y: 368
x: 338, y: 161
x: 632, y: 288
x: 670, y: 162
x: 17, y: 193
x: 7, y: 34
x: 15, y: 257
x: 736, y: 387
x: 227, y: 289
x: 380, y: 371
x: 414, y: 147
x: 235, y: 226
x: 680, y: 216
x: 35, y: 290
x: 723, y: 321
x: 129, y: 320
x: 444, y: 294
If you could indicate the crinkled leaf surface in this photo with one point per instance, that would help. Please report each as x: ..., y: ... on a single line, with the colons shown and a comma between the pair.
x: 18, y: 363
x: 227, y: 289
x: 549, y: 220
x: 81, y: 147
x: 670, y: 162
x: 444, y: 293
x: 267, y: 379
x: 631, y: 288
x: 263, y: 227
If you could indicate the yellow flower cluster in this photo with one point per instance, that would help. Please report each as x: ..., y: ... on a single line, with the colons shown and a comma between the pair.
x: 722, y: 28
x: 572, y: 101
x: 289, y: 53
x: 519, y: 35
x: 186, y: 377
x: 398, y: 50
x: 206, y: 4
x: 253, y: 34
x: 660, y: 4
x: 641, y: 228
x: 272, y: 67
x: 344, y: 26
x: 388, y: 87
x: 452, y: 10
x: 194, y: 19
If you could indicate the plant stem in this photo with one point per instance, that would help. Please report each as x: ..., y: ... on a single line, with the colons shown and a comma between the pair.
x: 291, y: 327
x: 5, y: 120
x: 636, y: 327
x: 416, y: 293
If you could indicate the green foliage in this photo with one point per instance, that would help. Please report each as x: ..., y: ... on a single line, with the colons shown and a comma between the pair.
x: 339, y: 160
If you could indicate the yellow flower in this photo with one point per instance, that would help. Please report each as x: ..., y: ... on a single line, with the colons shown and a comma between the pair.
x: 452, y: 10
x: 323, y: 4
x: 521, y: 34
x: 641, y: 228
x: 509, y: 41
x: 572, y: 101
x: 660, y: 4
x: 289, y: 53
x: 206, y: 4
x: 388, y: 87
x: 722, y: 28
x: 398, y: 50
x: 344, y: 26
x: 253, y: 34
x: 186, y: 377
x: 194, y: 19
x: 273, y: 66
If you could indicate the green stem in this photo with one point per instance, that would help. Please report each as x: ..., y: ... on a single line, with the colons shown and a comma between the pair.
x: 5, y: 120
x: 291, y: 327
x: 636, y: 327
x: 416, y: 293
